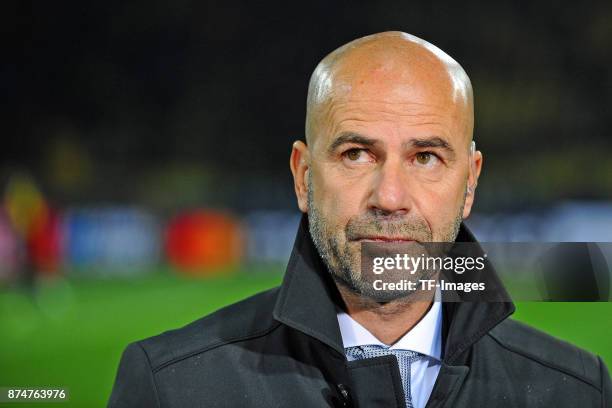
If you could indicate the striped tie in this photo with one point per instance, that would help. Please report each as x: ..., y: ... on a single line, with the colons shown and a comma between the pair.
x: 404, y: 359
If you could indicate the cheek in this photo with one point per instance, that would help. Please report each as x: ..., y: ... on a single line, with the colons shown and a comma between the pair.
x: 439, y: 203
x: 337, y: 197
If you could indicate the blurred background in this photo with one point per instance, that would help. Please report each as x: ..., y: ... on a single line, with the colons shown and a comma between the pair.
x: 144, y: 159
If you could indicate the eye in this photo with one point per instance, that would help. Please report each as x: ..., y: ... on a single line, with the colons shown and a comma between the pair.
x: 353, y: 154
x: 357, y: 156
x: 425, y: 158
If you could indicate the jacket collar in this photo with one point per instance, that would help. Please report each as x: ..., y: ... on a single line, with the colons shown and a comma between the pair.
x: 308, y: 295
x: 308, y: 300
x: 466, y: 321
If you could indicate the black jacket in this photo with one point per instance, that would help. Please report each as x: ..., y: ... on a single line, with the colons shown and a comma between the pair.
x: 282, y: 348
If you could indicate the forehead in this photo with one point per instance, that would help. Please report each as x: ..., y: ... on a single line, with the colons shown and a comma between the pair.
x: 393, y: 85
x: 379, y: 107
x: 396, y: 67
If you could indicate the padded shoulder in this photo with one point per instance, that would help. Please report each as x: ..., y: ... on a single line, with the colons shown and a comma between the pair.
x: 554, y: 353
x: 243, y: 320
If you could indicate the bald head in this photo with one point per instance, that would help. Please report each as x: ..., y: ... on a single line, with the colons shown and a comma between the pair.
x: 389, y: 155
x: 389, y: 68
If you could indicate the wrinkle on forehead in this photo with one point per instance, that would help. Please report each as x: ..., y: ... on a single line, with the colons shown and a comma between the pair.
x: 406, y: 63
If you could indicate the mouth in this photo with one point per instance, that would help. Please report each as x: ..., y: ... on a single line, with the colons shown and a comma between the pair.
x: 384, y: 239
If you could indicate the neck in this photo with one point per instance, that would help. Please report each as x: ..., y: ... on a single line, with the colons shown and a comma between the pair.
x: 389, y: 321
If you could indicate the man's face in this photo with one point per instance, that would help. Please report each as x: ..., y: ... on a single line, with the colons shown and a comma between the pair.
x: 390, y: 162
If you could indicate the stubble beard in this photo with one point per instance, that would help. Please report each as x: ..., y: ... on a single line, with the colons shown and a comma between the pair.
x: 343, y: 260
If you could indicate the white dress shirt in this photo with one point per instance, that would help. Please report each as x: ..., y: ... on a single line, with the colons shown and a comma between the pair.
x: 424, y: 337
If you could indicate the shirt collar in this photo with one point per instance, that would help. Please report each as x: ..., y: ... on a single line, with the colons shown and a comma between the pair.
x: 425, y: 337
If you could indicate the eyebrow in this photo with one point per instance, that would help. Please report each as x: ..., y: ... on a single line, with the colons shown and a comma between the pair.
x: 432, y: 142
x: 421, y: 143
x: 350, y: 137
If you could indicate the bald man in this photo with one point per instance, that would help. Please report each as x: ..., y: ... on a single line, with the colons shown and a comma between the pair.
x: 388, y: 159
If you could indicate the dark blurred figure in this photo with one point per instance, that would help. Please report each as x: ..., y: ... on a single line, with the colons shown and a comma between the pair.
x: 575, y: 272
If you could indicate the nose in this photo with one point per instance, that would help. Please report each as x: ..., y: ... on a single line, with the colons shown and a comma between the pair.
x: 390, y: 193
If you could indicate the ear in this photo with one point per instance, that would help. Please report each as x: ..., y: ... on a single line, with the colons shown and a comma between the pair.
x: 475, y: 166
x: 299, y: 163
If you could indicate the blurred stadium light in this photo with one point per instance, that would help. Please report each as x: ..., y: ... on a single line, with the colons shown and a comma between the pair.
x: 202, y: 242
x: 111, y: 241
x: 270, y: 235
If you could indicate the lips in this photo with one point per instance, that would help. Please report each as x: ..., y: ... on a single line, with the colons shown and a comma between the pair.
x: 384, y: 239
